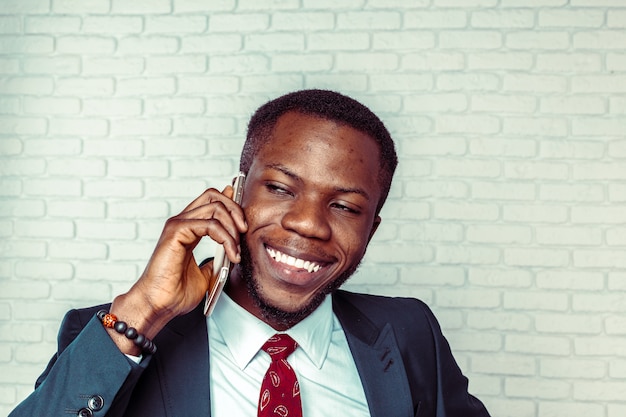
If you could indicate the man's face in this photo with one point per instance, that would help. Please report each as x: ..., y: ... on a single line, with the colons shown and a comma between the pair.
x: 310, y: 202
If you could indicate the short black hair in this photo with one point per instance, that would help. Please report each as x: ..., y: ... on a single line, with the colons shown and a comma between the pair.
x: 327, y: 105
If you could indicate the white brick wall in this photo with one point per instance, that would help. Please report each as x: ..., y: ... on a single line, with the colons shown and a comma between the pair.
x: 508, y: 214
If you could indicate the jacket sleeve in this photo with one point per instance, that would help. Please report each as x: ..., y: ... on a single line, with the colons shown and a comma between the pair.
x: 453, y: 398
x: 88, y: 375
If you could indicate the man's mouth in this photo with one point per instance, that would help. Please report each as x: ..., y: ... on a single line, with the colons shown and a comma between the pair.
x: 292, y: 261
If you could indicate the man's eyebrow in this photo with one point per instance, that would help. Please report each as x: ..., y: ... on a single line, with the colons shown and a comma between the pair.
x: 283, y: 169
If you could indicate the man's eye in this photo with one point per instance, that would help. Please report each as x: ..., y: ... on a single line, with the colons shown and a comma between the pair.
x: 345, y: 208
x: 277, y: 189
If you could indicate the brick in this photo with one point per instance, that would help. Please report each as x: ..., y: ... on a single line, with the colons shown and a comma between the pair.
x: 106, y: 230
x: 240, y: 22
x: 138, y: 209
x: 52, y: 24
x: 112, y: 107
x: 239, y: 64
x: 616, y: 237
x: 175, y: 24
x: 536, y: 170
x: 326, y: 41
x: 176, y: 64
x: 22, y: 207
x: 438, y: 146
x: 26, y: 44
x: 75, y: 209
x: 52, y: 187
x: 134, y: 45
x: 112, y: 24
x: 203, y: 126
x: 51, y: 105
x: 570, y: 280
x: 502, y: 147
x: 175, y: 147
x: 11, y: 147
x: 544, y: 40
x: 535, y: 301
x: 418, y: 19
x: 156, y: 86
x: 493, y: 277
x: 212, y: 43
x: 399, y: 253
x: 271, y: 5
x: 571, y: 150
x: 10, y: 187
x: 77, y: 249
x: 451, y: 102
x: 293, y: 62
x: 617, y: 281
x: 500, y: 61
x: 568, y: 236
x: 22, y: 126
x: 22, y: 166
x: 24, y: 289
x: 274, y: 41
x: 616, y: 326
x: 609, y: 39
x: 599, y: 259
x: 85, y: 45
x: 113, y: 188
x: 534, y: 83
x: 429, y: 276
x: 599, y: 390
x: 501, y: 322
x: 467, y: 168
x: 10, y: 105
x: 192, y: 167
x: 467, y: 255
x: 536, y: 257
x: 113, y: 147
x: 141, y: 7
x: 468, y: 124
x: 174, y: 105
x: 617, y: 105
x: 78, y: 127
x: 138, y: 168
x: 369, y: 20
x: 504, y: 104
x: 537, y: 345
x: 109, y: 272
x: 10, y: 24
x: 499, y: 365
x: 308, y: 21
x: 173, y: 188
x: 617, y: 192
x: 612, y: 83
x: 617, y: 149
x: 44, y: 228
x: 565, y: 62
x: 577, y: 368
x: 502, y: 191
x: 136, y: 126
x: 92, y: 292
x: 131, y: 251
x: 85, y: 86
x: 20, y: 333
x: 498, y: 234
x: 432, y: 61
x: 474, y: 39
x: 191, y: 6
x: 96, y: 65
x: 503, y: 19
x: 598, y: 215
x: 204, y: 85
x: 27, y: 85
x: 468, y: 82
x: 467, y: 298
x: 568, y: 324
x: 536, y: 388
x: 465, y: 211
x: 9, y: 65
x: 602, y: 171
x: 599, y: 302
x: 81, y: 6
x: 570, y: 18
x: 407, y: 210
x: 616, y: 18
x: 46, y: 270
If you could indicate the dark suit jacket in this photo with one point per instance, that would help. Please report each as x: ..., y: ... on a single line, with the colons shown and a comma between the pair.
x: 404, y: 361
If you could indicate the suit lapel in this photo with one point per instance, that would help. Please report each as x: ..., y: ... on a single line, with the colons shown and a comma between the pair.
x: 378, y: 361
x: 184, y: 376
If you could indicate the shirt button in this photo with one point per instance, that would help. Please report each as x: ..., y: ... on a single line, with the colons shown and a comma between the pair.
x: 95, y: 403
x: 84, y: 412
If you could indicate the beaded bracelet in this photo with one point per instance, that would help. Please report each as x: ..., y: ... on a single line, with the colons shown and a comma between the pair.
x: 110, y: 320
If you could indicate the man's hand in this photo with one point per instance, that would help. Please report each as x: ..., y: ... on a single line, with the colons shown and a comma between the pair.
x: 172, y: 283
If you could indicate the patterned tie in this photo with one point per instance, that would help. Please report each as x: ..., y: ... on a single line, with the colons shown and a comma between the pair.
x: 280, y: 391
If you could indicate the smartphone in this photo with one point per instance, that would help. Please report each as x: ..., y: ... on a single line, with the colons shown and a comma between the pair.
x: 221, y: 263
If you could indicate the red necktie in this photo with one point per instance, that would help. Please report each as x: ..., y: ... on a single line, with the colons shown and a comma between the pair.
x: 280, y: 391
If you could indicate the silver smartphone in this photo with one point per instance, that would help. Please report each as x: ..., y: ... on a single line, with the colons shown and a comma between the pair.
x: 221, y: 263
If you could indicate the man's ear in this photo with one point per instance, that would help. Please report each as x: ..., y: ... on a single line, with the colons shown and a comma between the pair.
x: 375, y: 225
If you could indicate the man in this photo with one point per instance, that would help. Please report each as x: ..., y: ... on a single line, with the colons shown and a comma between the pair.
x: 319, y: 167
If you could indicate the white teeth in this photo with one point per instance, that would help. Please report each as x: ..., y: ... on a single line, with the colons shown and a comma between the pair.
x: 292, y: 261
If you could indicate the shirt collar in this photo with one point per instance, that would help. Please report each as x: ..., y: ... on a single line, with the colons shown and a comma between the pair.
x: 244, y: 334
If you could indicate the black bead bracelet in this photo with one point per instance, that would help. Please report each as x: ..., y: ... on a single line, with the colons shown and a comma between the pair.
x: 110, y: 321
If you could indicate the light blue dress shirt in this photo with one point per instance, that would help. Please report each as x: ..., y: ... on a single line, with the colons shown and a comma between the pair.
x: 329, y: 381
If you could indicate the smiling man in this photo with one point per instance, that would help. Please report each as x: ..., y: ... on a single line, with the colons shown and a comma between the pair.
x: 319, y: 167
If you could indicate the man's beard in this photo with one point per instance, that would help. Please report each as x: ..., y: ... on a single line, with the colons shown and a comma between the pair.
x: 273, y: 314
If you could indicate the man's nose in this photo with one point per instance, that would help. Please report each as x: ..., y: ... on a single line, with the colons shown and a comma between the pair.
x: 308, y: 217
